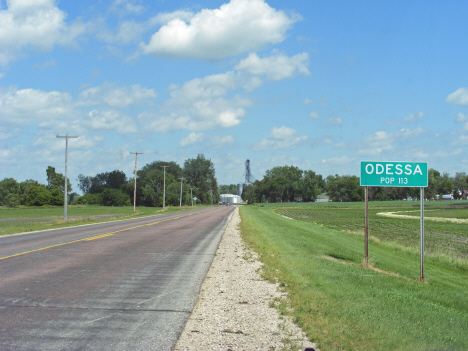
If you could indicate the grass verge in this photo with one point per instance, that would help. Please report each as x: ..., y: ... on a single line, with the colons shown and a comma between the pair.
x: 342, y: 305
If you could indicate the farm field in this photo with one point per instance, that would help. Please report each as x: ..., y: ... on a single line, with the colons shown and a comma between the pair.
x: 315, y: 252
x: 26, y: 219
x: 446, y: 235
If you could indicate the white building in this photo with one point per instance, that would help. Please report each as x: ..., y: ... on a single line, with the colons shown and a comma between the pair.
x: 232, y: 199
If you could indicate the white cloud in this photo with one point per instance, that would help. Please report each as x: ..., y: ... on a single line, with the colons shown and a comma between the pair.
x: 37, y: 24
x: 314, y: 115
x: 461, y: 117
x: 335, y: 121
x: 383, y: 141
x: 116, y: 96
x: 212, y: 102
x: 46, y: 65
x: 2, y: 74
x: 307, y: 102
x: 281, y: 138
x: 236, y: 27
x: 165, y: 18
x: 461, y: 141
x: 200, y: 104
x: 127, y: 32
x: 276, y: 66
x: 412, y: 117
x: 26, y: 106
x: 110, y: 119
x: 226, y: 139
x: 126, y: 7
x: 193, y: 138
x: 58, y: 144
x: 337, y: 161
x: 459, y: 97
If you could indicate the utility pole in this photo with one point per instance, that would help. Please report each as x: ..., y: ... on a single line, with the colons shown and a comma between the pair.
x: 164, y: 189
x: 191, y: 195
x: 181, y: 181
x: 65, y: 199
x: 134, y: 183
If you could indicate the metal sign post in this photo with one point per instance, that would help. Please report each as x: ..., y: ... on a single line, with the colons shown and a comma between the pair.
x: 366, y: 229
x: 421, y: 225
x: 395, y: 174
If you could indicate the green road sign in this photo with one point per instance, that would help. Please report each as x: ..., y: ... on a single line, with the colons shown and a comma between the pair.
x: 402, y: 174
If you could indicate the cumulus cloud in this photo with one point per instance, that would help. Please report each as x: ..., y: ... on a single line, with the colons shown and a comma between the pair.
x: 458, y: 97
x: 236, y: 27
x: 382, y: 141
x: 216, y: 101
x: 193, y: 138
x: 36, y: 24
x: 26, y: 106
x: 200, y: 104
x: 109, y: 120
x: 276, y: 66
x: 122, y: 96
x: 281, y: 138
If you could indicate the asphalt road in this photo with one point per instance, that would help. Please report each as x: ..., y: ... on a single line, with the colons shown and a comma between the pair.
x: 127, y: 285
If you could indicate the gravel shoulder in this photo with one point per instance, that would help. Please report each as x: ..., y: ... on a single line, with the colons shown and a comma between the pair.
x: 233, y: 308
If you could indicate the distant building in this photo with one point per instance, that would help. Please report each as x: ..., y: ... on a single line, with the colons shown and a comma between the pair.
x: 232, y: 199
x: 446, y: 197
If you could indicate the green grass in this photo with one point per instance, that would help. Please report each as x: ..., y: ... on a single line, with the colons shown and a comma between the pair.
x: 342, y: 305
x: 26, y: 219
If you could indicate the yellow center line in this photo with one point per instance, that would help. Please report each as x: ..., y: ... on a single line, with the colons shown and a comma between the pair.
x: 100, y: 236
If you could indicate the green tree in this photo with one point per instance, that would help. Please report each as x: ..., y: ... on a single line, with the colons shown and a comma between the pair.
x: 84, y: 183
x: 56, y: 197
x: 344, y: 188
x: 309, y: 186
x: 12, y: 200
x: 112, y: 197
x: 282, y: 181
x: 200, y: 173
x: 38, y: 196
x: 25, y: 188
x: 228, y: 189
x: 57, y: 180
x: 88, y: 199
x: 8, y: 186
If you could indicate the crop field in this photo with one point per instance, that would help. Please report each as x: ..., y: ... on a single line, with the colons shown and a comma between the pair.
x: 445, y: 227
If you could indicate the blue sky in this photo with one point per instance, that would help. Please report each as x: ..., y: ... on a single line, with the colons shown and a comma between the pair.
x: 320, y: 85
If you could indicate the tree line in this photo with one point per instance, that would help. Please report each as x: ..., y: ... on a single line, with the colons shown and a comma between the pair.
x: 115, y: 189
x: 279, y: 184
x: 289, y: 184
x: 32, y: 193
